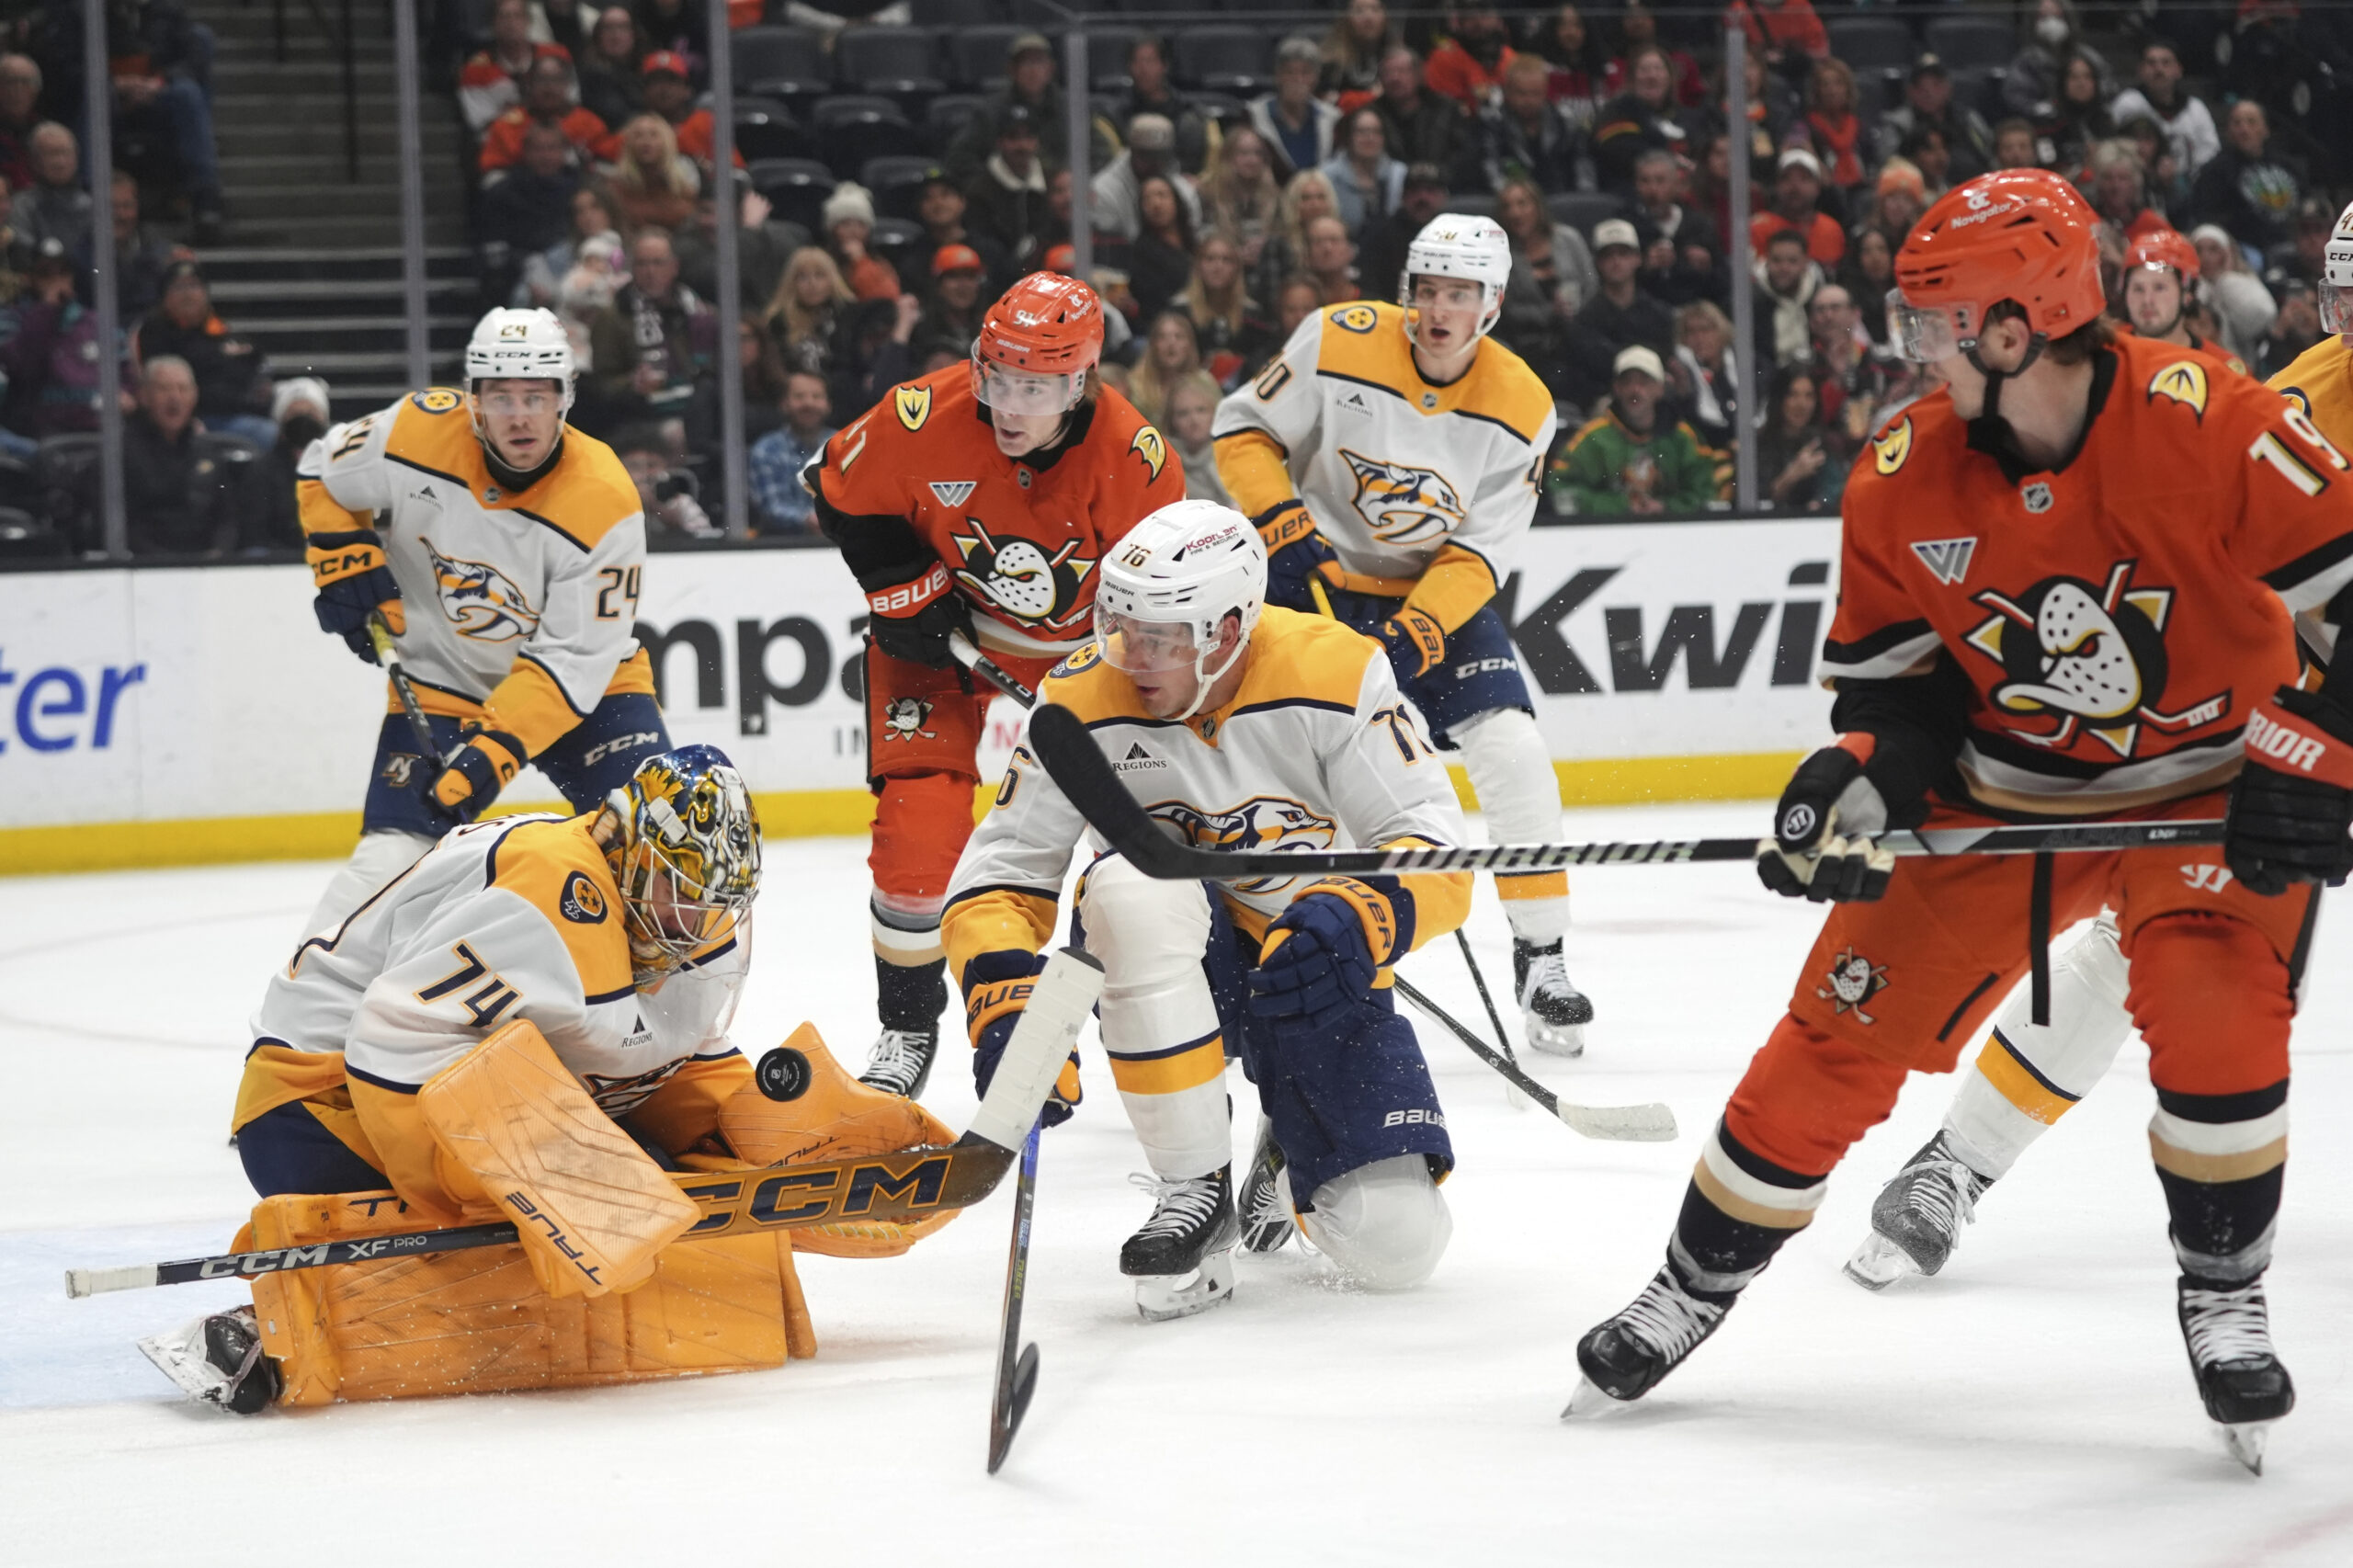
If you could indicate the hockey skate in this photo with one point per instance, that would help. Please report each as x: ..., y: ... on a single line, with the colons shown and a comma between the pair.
x: 2228, y: 1333
x: 1917, y: 1217
x: 219, y: 1361
x: 1267, y: 1221
x: 901, y: 1062
x: 1182, y: 1260
x: 1554, y: 1012
x: 1625, y: 1356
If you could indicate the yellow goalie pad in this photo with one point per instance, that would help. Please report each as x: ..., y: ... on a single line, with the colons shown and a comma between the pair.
x: 593, y: 1209
x: 477, y: 1322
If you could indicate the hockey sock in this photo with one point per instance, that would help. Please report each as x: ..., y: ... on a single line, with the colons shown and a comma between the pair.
x: 1736, y: 1213
x: 910, y: 996
x: 2027, y: 1076
x: 1159, y: 1023
x: 2221, y: 1160
x: 1511, y: 771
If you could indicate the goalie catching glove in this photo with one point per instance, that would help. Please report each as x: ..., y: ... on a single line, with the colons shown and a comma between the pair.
x: 1824, y: 845
x: 997, y: 987
x: 2291, y: 805
x: 354, y: 581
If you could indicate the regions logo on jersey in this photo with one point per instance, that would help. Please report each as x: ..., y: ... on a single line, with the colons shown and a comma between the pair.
x: 1404, y: 505
x: 1852, y: 980
x: 1263, y: 822
x: 2184, y: 381
x: 583, y: 902
x: 1355, y: 318
x: 1018, y: 577
x: 1150, y: 447
x: 913, y: 404
x: 2091, y: 655
x: 1891, y: 445
x: 438, y: 399
x: 903, y: 720
x: 481, y: 601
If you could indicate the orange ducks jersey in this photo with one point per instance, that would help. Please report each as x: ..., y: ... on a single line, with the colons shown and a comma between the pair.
x: 2116, y: 617
x: 918, y: 477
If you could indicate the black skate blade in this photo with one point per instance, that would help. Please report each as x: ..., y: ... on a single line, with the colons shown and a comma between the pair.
x: 1025, y: 1383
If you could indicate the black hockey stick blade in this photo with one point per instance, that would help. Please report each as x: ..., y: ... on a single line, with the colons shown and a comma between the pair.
x: 1025, y: 1383
x: 1017, y: 1373
x: 1651, y: 1123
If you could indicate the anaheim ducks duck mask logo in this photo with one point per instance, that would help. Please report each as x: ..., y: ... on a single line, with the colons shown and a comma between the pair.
x: 2091, y: 655
x: 1018, y: 577
x: 1402, y: 504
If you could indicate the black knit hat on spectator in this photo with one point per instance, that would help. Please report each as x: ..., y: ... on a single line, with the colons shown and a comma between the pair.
x: 1015, y: 123
x: 1928, y: 65
x: 1425, y: 174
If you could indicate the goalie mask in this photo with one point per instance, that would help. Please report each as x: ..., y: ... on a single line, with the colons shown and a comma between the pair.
x: 684, y: 844
x: 1167, y: 587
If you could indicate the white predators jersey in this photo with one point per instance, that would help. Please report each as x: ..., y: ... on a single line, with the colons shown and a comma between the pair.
x: 1393, y: 470
x: 1316, y: 751
x: 512, y: 918
x: 490, y: 583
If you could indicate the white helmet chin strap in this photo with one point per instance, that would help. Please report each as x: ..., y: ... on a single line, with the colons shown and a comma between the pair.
x: 1203, y: 680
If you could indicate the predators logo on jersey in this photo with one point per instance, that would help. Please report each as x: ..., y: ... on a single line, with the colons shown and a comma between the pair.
x: 1018, y: 577
x: 481, y: 601
x: 1263, y: 822
x: 1404, y: 505
x: 2092, y: 655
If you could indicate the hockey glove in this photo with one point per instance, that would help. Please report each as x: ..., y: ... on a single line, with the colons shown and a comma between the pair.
x: 1415, y: 641
x: 484, y: 763
x: 2293, y: 803
x: 997, y: 992
x: 1322, y: 954
x: 353, y: 582
x: 1294, y: 549
x: 911, y: 617
x: 1824, y: 843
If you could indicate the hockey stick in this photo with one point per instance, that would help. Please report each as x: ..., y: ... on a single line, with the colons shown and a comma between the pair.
x: 1502, y: 1036
x: 906, y: 1184
x: 1079, y: 767
x: 1651, y: 1123
x: 980, y: 664
x: 389, y: 657
x: 1017, y: 1364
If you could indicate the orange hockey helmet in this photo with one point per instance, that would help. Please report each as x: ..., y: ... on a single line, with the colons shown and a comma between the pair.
x: 2023, y: 235
x: 1037, y: 344
x: 2164, y: 247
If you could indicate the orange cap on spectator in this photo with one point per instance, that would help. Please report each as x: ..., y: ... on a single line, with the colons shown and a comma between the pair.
x: 1062, y: 258
x: 1901, y: 174
x: 663, y: 60
x: 956, y: 259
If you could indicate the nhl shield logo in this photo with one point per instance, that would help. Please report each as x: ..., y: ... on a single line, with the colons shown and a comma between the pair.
x: 1852, y: 980
x: 2036, y: 497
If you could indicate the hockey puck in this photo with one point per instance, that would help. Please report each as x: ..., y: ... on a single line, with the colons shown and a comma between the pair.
x: 784, y: 1073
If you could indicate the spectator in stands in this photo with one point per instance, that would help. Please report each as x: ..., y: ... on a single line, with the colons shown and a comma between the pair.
x: 940, y: 207
x: 16, y: 250
x: 1366, y: 180
x: 1867, y: 274
x: 1793, y: 451
x: 1161, y: 260
x: 48, y: 354
x: 2079, y: 119
x: 1524, y: 134
x: 2115, y: 190
x: 1928, y: 152
x: 651, y: 182
x: 1151, y: 153
x: 2296, y: 328
x: 953, y: 314
x: 2160, y: 174
x: 2052, y: 35
x: 56, y: 207
x: 1851, y: 384
x: 1641, y: 120
x: 1299, y: 127
x: 669, y: 93
x: 1192, y: 410
x: 1029, y: 88
x: 1351, y: 52
x: 160, y: 61
x: 1469, y: 66
x: 1785, y: 34
x: 848, y: 220
x: 1007, y: 200
x: 2248, y: 187
x: 2306, y: 259
x: 665, y: 493
x: 762, y: 243
x: 1381, y: 251
x: 1331, y: 261
x: 1619, y: 316
x: 2242, y: 307
x: 1632, y: 457
x: 1831, y: 125
x: 762, y: 372
x: 547, y: 100
x: 1797, y: 204
x: 1422, y: 127
x: 779, y: 504
x: 610, y: 86
x: 1897, y: 202
x: 1637, y: 30
x: 2015, y: 146
x: 527, y: 209
x: 1149, y: 93
x: 1053, y: 228
x: 1682, y: 254
x: 176, y: 490
x: 1705, y: 373
x: 804, y: 316
x: 1551, y: 267
x: 491, y: 83
x: 1309, y: 196
x: 1927, y: 103
x: 1296, y: 300
x: 592, y: 217
x: 875, y: 352
x: 142, y: 256
x: 1708, y: 188
x: 678, y: 26
x: 232, y: 387
x: 269, y: 518
x: 652, y: 341
x: 1772, y: 111
x: 1233, y: 330
x: 1171, y: 354
x: 1785, y: 279
x: 19, y: 116
x: 1240, y: 196
x: 2188, y: 123
x: 1575, y: 65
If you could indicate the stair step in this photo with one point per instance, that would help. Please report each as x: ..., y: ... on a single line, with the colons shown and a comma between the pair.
x: 391, y: 364
x: 265, y: 202
x: 287, y: 233
x: 325, y: 138
x: 307, y: 290
x: 354, y: 335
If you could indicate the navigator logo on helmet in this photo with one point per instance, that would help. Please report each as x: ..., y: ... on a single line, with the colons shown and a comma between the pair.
x: 2336, y: 277
x: 2021, y: 236
x: 1167, y: 586
x: 511, y: 345
x: 684, y: 843
x: 1037, y: 345
x: 1452, y: 245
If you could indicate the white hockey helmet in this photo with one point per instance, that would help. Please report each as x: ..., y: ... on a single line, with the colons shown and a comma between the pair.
x: 2336, y: 277
x: 511, y: 345
x: 1453, y: 245
x: 1167, y: 587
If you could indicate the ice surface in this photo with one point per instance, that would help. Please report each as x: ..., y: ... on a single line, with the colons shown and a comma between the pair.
x: 2031, y: 1405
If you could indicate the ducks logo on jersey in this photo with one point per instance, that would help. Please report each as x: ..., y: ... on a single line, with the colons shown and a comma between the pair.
x: 1404, y: 505
x: 1263, y: 822
x: 481, y: 601
x: 903, y: 720
x: 1851, y: 981
x: 1018, y: 577
x: 2092, y: 655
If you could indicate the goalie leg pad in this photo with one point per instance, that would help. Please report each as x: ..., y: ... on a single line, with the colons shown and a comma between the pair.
x: 592, y: 1208
x: 1160, y: 1025
x: 476, y: 1322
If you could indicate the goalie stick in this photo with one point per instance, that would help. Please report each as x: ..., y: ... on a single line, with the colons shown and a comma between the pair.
x: 1080, y: 769
x: 1651, y: 1123
x: 905, y: 1184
